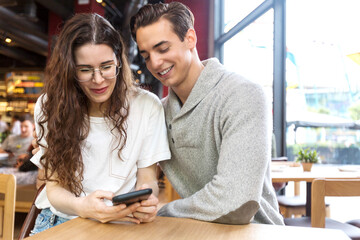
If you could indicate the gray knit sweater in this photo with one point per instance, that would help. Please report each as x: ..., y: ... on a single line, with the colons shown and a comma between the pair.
x: 220, y: 146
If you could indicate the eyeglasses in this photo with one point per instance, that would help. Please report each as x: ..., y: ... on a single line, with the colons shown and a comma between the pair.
x: 109, y: 71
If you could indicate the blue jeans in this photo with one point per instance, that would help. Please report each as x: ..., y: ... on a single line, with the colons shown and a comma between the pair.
x: 45, y: 220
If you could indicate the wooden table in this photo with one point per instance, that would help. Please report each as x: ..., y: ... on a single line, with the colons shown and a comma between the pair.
x: 180, y: 228
x: 296, y: 174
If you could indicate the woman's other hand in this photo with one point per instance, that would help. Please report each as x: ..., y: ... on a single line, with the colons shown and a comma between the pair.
x: 148, y: 209
x: 93, y: 206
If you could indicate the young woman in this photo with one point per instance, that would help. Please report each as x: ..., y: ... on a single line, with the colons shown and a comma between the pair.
x: 99, y: 135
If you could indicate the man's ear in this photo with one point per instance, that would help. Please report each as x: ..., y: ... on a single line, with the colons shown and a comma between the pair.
x: 191, y: 38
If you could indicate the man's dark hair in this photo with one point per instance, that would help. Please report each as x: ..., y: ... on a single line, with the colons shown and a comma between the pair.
x: 26, y: 117
x: 179, y: 15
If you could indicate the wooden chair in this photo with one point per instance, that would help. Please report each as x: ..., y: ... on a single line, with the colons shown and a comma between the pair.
x: 7, y: 212
x: 334, y: 188
x: 24, y: 197
x: 29, y: 222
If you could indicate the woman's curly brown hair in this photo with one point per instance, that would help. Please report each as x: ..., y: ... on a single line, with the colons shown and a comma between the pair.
x: 65, y: 108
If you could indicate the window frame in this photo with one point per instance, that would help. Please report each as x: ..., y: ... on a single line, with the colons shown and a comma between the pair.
x: 279, y: 63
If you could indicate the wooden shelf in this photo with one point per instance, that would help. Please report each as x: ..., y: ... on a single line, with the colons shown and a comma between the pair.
x: 22, y: 96
x: 21, y: 90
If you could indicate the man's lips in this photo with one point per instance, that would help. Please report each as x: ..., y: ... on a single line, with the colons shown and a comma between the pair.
x: 99, y: 90
x: 164, y: 72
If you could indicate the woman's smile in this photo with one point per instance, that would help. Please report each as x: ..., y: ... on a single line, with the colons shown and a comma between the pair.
x: 99, y: 90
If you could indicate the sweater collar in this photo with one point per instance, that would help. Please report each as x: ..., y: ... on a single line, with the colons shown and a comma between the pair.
x: 208, y: 79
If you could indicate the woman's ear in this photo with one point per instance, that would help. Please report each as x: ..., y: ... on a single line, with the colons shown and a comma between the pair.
x: 191, y: 38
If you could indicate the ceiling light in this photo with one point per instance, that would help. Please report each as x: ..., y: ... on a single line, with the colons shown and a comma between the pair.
x: 99, y: 1
x: 8, y: 40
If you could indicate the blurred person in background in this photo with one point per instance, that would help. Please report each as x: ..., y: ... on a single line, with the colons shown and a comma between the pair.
x: 18, y: 144
x: 15, y: 125
x: 19, y: 149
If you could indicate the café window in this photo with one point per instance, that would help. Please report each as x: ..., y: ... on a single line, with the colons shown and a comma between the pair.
x: 323, y: 79
x: 250, y: 53
x: 321, y: 68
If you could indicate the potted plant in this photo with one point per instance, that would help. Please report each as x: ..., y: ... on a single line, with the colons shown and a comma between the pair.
x: 307, y: 157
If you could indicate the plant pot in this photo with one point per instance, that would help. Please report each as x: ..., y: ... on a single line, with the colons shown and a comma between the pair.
x: 307, y: 166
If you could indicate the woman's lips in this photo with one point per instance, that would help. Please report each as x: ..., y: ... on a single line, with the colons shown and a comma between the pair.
x: 99, y: 90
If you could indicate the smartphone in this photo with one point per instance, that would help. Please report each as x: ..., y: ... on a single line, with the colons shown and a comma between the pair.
x: 132, y: 197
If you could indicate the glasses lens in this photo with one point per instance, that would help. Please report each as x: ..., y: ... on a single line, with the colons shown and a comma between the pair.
x: 84, y: 74
x: 107, y: 72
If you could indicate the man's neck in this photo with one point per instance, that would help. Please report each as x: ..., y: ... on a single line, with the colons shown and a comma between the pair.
x: 183, y: 90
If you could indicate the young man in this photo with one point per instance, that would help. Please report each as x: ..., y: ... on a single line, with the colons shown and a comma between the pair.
x: 218, y: 123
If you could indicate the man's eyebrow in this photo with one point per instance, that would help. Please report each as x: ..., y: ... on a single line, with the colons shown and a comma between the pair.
x: 155, y: 46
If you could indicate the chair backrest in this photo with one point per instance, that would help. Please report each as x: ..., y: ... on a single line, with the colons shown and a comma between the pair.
x: 29, y: 221
x: 8, y: 188
x: 329, y: 187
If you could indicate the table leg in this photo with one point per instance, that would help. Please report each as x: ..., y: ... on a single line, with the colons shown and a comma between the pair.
x: 308, y: 199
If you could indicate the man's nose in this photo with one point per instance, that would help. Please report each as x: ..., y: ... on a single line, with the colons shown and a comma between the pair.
x: 156, y: 61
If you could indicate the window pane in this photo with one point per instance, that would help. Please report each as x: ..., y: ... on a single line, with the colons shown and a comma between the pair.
x: 236, y: 10
x: 323, y: 76
x: 250, y: 52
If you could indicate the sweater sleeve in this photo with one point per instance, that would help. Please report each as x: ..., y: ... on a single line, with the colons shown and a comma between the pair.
x: 233, y: 195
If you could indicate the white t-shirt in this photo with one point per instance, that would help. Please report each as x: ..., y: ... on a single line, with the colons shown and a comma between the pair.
x: 146, y: 144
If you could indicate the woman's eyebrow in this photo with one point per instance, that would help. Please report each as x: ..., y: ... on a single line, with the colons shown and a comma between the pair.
x: 89, y: 66
x: 106, y: 62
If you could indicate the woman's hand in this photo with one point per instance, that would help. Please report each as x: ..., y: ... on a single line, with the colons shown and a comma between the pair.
x: 93, y: 206
x: 90, y: 206
x: 148, y: 209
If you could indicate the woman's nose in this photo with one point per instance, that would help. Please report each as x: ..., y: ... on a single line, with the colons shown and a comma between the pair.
x: 97, y: 78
